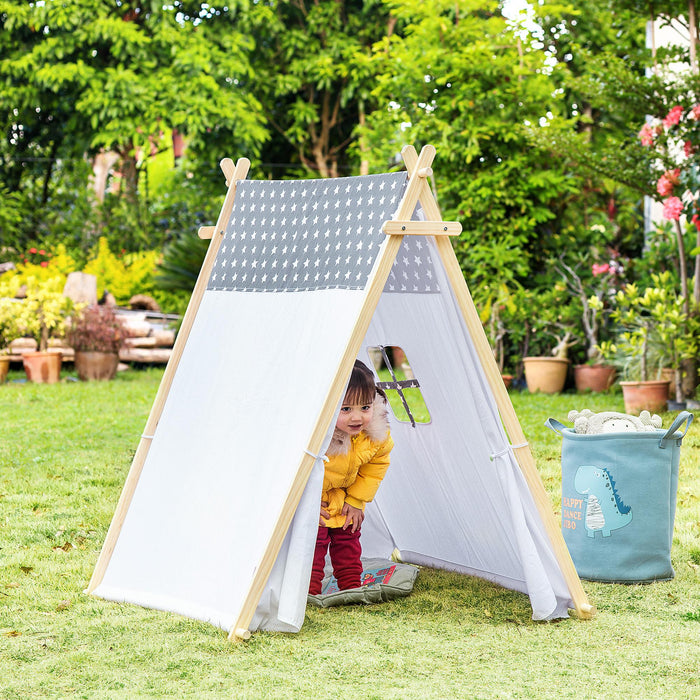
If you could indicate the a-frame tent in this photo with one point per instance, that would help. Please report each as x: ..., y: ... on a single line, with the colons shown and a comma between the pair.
x: 218, y: 517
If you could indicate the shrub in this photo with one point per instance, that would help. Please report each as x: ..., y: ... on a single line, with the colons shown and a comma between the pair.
x: 97, y: 329
x: 122, y: 276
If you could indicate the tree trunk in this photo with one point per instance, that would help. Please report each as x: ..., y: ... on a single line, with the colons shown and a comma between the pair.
x: 693, y: 33
x: 362, y: 142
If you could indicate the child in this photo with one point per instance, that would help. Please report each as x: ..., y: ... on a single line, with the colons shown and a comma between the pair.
x: 358, y: 459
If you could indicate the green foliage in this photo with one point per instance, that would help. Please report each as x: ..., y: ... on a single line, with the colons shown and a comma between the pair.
x: 123, y: 275
x: 181, y: 263
x: 476, y: 95
x: 81, y: 77
x: 314, y: 76
x: 44, y: 311
x: 655, y: 328
x: 9, y: 329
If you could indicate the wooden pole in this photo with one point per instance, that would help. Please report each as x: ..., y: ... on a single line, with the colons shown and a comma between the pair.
x: 375, y: 286
x: 522, y: 453
x: 233, y: 174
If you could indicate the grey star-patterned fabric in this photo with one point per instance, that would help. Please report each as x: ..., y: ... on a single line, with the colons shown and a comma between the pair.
x: 306, y: 235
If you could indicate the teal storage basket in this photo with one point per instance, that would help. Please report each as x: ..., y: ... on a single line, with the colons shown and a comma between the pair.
x: 618, y: 501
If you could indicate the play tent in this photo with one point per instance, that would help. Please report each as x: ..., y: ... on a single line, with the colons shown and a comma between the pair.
x: 218, y: 517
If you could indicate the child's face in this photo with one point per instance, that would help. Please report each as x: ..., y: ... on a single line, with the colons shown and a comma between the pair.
x: 353, y: 419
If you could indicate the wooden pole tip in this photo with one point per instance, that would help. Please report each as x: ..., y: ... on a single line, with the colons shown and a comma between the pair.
x: 242, y: 633
x: 586, y: 611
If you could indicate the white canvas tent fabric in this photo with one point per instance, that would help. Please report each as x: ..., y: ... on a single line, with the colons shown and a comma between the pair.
x: 287, y: 287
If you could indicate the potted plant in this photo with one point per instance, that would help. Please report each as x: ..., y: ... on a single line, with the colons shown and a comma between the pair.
x: 8, y: 332
x: 498, y: 303
x: 593, y: 295
x: 96, y: 335
x: 654, y: 332
x: 554, y: 329
x: 43, y: 314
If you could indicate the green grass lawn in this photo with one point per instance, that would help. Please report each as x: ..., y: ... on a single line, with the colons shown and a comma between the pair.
x: 64, y: 453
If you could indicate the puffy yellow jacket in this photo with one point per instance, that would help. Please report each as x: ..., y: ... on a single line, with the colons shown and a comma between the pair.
x: 356, y: 465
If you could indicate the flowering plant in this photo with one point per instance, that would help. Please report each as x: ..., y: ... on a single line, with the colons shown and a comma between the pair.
x: 676, y: 139
x: 595, y: 288
x: 36, y: 256
x: 97, y: 329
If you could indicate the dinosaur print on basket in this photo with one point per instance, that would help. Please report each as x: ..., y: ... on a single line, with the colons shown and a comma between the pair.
x: 605, y: 510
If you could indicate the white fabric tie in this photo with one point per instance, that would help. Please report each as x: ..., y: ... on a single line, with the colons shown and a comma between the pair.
x: 508, y: 449
x: 323, y: 457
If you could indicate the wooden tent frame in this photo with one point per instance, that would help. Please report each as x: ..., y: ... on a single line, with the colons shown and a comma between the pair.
x: 419, y: 169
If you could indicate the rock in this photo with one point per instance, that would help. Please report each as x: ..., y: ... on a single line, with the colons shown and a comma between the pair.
x: 164, y: 338
x: 81, y: 287
x: 136, y: 328
x: 107, y: 299
x: 143, y: 301
x: 20, y: 345
x: 145, y: 355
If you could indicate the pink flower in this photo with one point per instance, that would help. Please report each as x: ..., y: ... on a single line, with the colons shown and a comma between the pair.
x: 646, y: 135
x: 696, y: 221
x: 32, y: 250
x: 44, y: 263
x: 695, y: 112
x: 600, y: 269
x: 673, y: 117
x: 667, y: 182
x: 673, y: 208
x: 688, y: 149
x: 664, y: 186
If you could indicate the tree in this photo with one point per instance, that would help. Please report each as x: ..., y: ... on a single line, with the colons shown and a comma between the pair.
x: 85, y: 76
x: 313, y: 75
x: 458, y: 76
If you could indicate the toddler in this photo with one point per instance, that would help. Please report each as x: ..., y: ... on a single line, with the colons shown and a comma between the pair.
x: 358, y: 458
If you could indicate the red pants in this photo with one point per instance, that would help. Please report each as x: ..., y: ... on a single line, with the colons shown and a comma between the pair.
x: 345, y: 552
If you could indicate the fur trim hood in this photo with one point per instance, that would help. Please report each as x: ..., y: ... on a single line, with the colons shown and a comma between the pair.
x: 376, y: 431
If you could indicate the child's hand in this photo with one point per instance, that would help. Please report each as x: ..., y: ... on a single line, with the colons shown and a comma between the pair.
x: 353, y: 517
x: 324, y: 513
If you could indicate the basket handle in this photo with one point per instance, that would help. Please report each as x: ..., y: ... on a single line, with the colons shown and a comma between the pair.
x: 555, y: 425
x: 681, y: 418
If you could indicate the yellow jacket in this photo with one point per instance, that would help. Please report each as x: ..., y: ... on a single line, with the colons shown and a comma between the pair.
x: 356, y: 466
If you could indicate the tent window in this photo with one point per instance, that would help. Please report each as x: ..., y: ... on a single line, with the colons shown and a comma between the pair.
x: 400, y: 385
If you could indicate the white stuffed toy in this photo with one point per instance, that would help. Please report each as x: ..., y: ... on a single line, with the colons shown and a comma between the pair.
x: 589, y: 423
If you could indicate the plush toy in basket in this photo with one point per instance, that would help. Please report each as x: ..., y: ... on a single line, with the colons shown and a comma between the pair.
x: 589, y: 423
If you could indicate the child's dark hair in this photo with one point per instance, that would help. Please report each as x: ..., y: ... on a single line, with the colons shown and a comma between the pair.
x: 361, y: 387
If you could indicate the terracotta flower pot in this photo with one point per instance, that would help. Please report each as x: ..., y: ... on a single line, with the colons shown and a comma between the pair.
x: 546, y: 374
x: 96, y: 365
x: 4, y: 367
x: 507, y: 380
x: 42, y: 367
x: 593, y: 377
x: 645, y: 396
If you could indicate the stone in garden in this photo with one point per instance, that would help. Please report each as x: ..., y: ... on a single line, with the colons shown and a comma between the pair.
x: 145, y: 302
x: 20, y: 345
x: 81, y: 287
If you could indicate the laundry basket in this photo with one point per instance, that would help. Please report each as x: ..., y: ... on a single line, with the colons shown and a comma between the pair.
x: 618, y: 501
